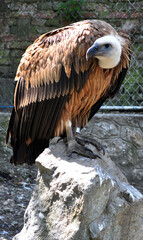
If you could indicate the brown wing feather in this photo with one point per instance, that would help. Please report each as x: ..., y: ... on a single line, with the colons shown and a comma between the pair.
x: 46, y: 79
x: 52, y: 73
x: 44, y: 60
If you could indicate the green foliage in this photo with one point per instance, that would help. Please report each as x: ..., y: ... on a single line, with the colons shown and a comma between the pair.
x: 71, y: 9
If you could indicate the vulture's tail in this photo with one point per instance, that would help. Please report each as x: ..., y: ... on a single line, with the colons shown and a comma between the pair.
x: 28, y: 154
x: 22, y: 152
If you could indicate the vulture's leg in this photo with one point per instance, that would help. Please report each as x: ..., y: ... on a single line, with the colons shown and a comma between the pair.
x: 75, y: 147
x: 85, y: 139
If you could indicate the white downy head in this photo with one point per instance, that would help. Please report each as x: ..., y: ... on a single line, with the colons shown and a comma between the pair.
x: 107, y: 50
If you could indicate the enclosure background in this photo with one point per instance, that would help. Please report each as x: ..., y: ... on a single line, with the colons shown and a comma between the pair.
x: 22, y: 21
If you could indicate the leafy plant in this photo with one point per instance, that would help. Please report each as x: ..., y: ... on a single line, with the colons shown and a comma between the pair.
x: 71, y: 9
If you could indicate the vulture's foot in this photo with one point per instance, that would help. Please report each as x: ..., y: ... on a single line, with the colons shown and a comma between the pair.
x: 75, y: 147
x: 85, y: 139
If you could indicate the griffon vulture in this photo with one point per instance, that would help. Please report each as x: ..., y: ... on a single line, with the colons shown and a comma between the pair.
x: 62, y: 80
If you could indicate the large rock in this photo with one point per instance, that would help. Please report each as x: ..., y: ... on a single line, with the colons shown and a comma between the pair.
x: 81, y: 199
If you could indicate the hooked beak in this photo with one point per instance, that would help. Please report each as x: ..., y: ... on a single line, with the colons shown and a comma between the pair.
x: 92, y: 51
x: 95, y: 51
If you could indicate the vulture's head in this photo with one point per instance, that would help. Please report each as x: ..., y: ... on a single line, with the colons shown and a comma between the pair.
x: 107, y: 50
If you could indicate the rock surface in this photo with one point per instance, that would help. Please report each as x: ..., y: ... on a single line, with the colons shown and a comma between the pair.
x: 81, y: 199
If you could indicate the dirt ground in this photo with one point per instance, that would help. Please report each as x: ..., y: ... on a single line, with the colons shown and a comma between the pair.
x: 15, y: 193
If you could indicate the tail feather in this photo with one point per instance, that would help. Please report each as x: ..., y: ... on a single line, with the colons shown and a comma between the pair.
x: 10, y: 126
x: 28, y: 154
x: 23, y: 153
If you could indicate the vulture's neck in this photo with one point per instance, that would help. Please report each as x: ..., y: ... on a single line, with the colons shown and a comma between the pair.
x: 109, y: 62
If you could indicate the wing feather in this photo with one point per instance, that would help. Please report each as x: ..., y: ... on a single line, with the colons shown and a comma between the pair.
x: 50, y: 71
x: 46, y: 79
x: 50, y: 58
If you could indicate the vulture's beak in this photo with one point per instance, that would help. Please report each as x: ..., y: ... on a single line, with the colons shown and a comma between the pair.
x: 92, y: 51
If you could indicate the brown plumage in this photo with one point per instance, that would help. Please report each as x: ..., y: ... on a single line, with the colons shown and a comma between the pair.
x: 58, y: 84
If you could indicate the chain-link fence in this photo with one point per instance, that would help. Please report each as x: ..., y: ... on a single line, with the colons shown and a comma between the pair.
x: 131, y: 92
x: 126, y: 15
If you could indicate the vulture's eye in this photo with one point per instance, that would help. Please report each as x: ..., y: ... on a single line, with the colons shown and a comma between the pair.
x: 107, y: 45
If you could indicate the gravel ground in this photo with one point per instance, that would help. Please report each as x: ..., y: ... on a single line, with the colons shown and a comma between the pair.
x: 15, y: 193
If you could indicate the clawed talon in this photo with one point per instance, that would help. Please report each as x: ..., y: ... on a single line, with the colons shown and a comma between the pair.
x: 85, y: 139
x: 78, y: 144
x: 75, y: 147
